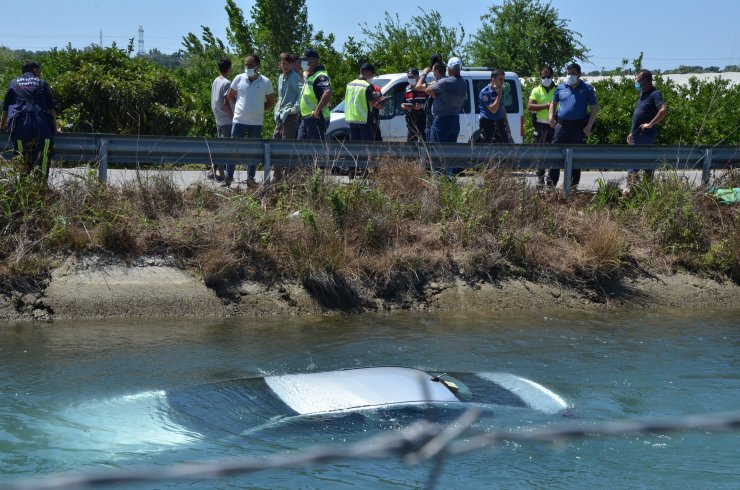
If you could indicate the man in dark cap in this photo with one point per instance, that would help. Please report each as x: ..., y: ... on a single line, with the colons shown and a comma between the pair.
x: 413, y: 105
x: 29, y: 113
x: 359, y: 100
x: 315, y: 98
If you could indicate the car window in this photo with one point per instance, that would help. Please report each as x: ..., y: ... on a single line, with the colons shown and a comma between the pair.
x: 511, y: 101
x: 392, y: 105
x: 466, y: 106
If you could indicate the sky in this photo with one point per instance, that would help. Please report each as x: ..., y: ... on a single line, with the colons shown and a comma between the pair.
x: 670, y: 33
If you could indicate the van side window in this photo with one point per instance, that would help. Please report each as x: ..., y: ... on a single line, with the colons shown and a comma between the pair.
x: 392, y: 105
x: 466, y: 106
x: 511, y: 103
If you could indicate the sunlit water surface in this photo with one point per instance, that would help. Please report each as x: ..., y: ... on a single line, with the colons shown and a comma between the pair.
x: 80, y: 396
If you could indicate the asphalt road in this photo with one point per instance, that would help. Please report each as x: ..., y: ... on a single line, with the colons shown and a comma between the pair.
x: 185, y: 178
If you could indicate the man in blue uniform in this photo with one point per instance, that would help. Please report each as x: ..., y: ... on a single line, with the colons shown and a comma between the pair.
x: 29, y: 113
x: 493, y: 122
x: 649, y: 111
x: 576, y: 115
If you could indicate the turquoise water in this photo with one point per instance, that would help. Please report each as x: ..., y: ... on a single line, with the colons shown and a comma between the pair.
x: 79, y: 396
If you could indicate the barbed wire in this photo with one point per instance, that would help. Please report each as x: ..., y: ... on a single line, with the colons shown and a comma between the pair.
x: 420, y: 442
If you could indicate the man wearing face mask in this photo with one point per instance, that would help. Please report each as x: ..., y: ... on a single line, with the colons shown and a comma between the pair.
x: 413, y: 105
x: 538, y: 104
x: 649, y: 111
x: 252, y: 95
x: 315, y: 97
x: 359, y: 100
x: 576, y: 105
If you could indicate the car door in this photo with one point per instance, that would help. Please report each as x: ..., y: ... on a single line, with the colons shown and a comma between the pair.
x: 392, y: 116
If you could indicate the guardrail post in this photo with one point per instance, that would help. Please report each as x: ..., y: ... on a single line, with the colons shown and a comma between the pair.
x: 707, y: 167
x: 103, y: 168
x: 568, y: 172
x: 267, y: 180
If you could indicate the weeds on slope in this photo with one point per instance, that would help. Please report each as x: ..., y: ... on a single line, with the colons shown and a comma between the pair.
x: 392, y: 232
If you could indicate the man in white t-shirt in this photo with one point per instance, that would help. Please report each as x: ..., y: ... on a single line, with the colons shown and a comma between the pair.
x: 252, y: 95
x: 222, y: 110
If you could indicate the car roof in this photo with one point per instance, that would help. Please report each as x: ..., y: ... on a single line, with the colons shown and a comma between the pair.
x: 465, y: 74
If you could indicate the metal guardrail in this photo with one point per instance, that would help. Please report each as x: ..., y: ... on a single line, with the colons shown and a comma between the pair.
x: 104, y: 149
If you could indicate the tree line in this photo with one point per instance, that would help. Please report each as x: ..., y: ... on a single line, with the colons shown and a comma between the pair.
x: 108, y: 89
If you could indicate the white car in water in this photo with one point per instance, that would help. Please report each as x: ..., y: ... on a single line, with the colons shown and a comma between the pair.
x: 266, y: 402
x: 393, y: 120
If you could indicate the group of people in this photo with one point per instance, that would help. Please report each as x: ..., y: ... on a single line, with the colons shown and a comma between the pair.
x: 301, y: 108
x: 566, y: 114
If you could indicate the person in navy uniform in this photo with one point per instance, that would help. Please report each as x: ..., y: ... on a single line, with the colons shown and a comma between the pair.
x: 649, y: 111
x: 30, y: 115
x: 413, y: 105
x: 576, y: 115
x: 493, y: 122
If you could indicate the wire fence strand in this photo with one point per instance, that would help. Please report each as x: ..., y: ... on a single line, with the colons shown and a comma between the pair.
x: 420, y: 442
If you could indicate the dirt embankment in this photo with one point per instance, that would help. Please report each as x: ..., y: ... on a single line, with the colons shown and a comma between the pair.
x: 96, y: 287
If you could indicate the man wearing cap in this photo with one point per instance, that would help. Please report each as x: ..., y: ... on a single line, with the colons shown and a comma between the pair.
x: 576, y: 111
x: 30, y: 114
x: 359, y: 99
x: 315, y: 97
x: 449, y: 96
x: 413, y: 104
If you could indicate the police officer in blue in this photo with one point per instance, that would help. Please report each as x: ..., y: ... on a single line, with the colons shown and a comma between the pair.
x: 576, y: 115
x: 30, y: 114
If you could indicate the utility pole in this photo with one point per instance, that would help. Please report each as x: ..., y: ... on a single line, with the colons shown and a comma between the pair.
x: 101, y: 38
x: 141, y: 40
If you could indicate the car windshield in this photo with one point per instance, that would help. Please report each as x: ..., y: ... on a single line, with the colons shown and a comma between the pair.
x: 380, y: 82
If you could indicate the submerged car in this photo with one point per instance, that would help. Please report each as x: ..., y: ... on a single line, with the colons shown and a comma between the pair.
x: 258, y: 402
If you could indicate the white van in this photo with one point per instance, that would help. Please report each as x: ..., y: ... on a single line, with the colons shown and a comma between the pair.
x: 392, y: 117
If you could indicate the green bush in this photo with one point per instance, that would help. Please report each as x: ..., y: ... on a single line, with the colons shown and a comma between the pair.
x: 105, y: 90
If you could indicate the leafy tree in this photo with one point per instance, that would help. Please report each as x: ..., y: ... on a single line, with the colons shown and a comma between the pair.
x: 395, y: 46
x: 523, y: 35
x: 106, y: 90
x: 280, y: 25
x: 199, y: 68
x: 239, y: 32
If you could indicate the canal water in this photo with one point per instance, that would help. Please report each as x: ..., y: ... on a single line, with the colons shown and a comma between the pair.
x: 91, y: 395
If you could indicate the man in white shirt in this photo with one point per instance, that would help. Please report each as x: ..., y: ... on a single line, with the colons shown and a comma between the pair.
x: 252, y: 95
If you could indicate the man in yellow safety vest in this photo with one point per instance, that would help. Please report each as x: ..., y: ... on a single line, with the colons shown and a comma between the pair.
x: 359, y: 98
x: 315, y: 98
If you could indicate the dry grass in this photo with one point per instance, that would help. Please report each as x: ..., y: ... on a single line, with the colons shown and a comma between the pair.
x: 394, y: 231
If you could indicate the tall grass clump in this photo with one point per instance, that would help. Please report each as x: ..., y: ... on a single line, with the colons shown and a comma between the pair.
x: 669, y: 203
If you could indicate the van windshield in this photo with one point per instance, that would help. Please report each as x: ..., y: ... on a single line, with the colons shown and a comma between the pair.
x: 380, y: 82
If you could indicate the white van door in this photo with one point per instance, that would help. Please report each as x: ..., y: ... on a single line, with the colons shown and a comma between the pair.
x: 392, y: 116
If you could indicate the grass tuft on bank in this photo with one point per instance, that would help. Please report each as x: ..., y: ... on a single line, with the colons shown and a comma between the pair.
x: 391, y: 233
